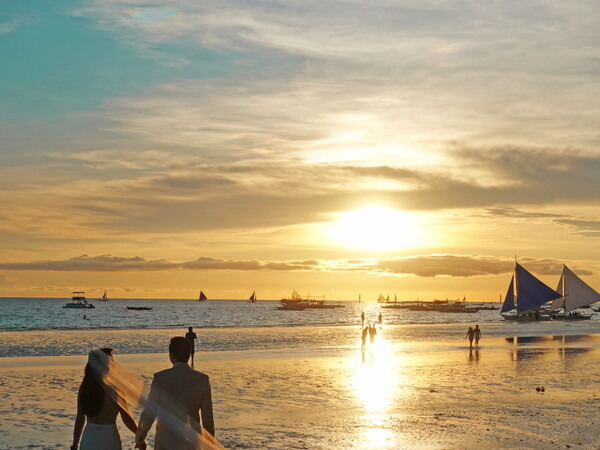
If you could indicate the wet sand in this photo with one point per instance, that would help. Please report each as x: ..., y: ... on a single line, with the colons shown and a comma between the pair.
x: 425, y: 395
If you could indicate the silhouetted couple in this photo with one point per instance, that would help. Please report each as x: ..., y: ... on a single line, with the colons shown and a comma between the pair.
x: 370, y: 331
x: 180, y: 400
x: 473, y: 333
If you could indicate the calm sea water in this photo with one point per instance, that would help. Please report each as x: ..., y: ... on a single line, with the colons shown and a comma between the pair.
x: 42, y: 327
x: 19, y: 314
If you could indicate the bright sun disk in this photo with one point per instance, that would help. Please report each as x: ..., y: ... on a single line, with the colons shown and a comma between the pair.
x: 376, y: 228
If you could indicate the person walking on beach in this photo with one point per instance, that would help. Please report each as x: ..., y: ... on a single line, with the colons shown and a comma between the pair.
x: 97, y: 407
x: 477, y: 334
x: 470, y: 334
x: 362, y: 319
x: 363, y: 346
x: 191, y: 337
x: 372, y: 333
x: 180, y: 398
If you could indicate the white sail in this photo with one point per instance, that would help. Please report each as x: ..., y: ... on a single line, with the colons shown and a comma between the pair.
x: 576, y: 292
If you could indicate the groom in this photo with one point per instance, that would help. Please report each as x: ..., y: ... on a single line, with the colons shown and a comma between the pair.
x: 176, y: 396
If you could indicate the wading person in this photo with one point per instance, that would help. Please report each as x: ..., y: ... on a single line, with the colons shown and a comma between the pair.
x: 191, y: 337
x: 470, y: 334
x: 477, y: 332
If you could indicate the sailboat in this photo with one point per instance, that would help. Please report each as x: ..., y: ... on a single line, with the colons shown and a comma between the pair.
x: 576, y: 293
x: 104, y: 297
x: 526, y: 294
x: 381, y: 299
x: 202, y: 297
x: 252, y: 298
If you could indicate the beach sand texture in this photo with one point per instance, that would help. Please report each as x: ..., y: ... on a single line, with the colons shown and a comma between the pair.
x: 428, y: 394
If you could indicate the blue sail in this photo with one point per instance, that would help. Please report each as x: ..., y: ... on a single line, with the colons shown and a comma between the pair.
x: 509, y: 300
x: 531, y: 291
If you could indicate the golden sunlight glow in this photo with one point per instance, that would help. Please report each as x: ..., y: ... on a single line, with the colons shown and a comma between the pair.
x: 377, y: 228
x: 376, y: 386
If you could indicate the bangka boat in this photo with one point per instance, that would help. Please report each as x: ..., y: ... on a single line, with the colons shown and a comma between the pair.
x: 526, y: 294
x: 576, y: 293
x: 104, y: 297
x: 139, y: 308
x: 295, y: 298
x: 201, y: 297
x: 292, y: 307
x: 252, y: 298
x: 78, y: 301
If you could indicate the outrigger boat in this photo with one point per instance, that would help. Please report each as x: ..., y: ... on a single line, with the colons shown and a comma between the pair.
x: 576, y: 293
x: 297, y: 303
x: 78, y: 301
x: 526, y: 294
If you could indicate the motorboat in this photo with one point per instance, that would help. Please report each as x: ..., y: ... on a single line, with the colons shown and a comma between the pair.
x: 78, y: 301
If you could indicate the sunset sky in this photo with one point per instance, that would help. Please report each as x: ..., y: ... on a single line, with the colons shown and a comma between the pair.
x: 156, y: 148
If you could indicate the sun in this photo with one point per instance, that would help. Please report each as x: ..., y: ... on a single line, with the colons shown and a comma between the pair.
x: 376, y: 228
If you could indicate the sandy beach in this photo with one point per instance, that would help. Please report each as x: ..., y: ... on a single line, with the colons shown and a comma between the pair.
x: 428, y: 394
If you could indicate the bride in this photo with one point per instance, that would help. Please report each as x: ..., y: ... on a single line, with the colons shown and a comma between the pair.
x: 98, y: 404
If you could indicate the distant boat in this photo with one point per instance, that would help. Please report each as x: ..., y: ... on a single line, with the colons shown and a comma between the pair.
x: 526, y: 294
x: 78, y: 301
x: 202, y: 297
x: 252, y: 298
x: 139, y: 308
x: 381, y: 299
x: 292, y: 307
x: 295, y: 298
x: 104, y: 297
x: 575, y: 293
x: 359, y: 299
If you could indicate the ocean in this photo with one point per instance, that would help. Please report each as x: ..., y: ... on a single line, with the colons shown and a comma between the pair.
x: 27, y: 325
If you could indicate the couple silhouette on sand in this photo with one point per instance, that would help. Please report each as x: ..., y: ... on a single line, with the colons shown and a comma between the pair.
x: 180, y: 400
x: 473, y: 333
x: 370, y: 331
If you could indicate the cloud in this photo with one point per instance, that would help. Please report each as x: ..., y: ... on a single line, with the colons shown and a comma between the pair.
x: 518, y: 214
x: 587, y: 228
x: 253, y: 195
x: 460, y: 266
x: 100, y: 263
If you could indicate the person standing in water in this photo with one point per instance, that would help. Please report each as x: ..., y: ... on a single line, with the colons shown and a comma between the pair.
x: 477, y: 334
x: 191, y: 337
x: 372, y: 333
x: 470, y: 334
x: 363, y: 346
x: 380, y: 318
x: 362, y: 319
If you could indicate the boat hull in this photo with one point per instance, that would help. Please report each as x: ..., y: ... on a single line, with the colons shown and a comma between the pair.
x: 79, y: 306
x: 526, y: 318
x: 570, y: 317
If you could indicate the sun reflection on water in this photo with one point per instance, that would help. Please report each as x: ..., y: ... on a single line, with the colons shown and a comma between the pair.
x: 375, y: 386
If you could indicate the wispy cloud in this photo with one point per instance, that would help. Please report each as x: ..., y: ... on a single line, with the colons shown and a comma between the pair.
x: 460, y: 266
